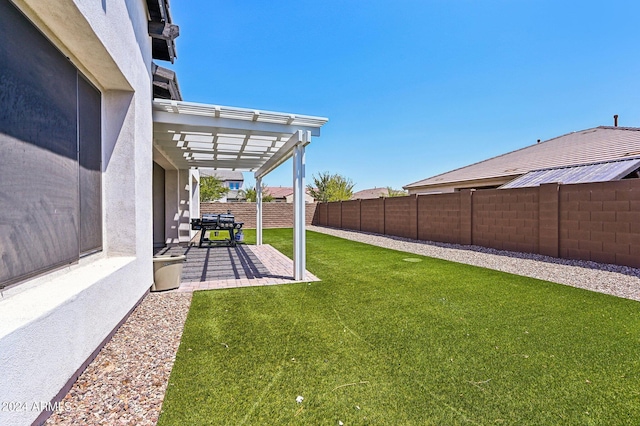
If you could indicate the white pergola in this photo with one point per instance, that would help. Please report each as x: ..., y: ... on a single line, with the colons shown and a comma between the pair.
x: 191, y: 135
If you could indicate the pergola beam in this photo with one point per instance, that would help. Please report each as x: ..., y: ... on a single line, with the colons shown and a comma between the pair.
x: 224, y: 124
x: 283, y: 154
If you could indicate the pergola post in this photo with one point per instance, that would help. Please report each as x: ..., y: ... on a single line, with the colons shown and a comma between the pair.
x: 194, y: 198
x: 259, y: 211
x: 299, y: 237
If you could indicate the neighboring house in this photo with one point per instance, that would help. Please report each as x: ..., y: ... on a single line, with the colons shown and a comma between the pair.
x: 233, y: 180
x: 94, y: 171
x: 367, y: 194
x: 600, y: 145
x: 284, y: 194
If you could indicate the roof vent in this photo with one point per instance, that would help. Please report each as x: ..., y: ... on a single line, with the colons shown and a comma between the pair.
x: 615, y: 120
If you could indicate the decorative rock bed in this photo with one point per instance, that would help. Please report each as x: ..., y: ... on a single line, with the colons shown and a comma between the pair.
x: 126, y: 382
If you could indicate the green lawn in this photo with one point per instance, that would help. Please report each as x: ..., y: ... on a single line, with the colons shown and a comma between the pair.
x: 394, y: 338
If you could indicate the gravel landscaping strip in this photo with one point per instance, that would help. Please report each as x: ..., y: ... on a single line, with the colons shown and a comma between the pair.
x: 125, y: 384
x: 621, y: 281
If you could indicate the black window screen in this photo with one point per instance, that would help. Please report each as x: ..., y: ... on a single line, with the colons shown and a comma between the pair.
x: 40, y: 193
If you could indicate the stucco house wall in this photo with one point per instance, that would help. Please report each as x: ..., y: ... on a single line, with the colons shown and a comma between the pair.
x: 51, y: 325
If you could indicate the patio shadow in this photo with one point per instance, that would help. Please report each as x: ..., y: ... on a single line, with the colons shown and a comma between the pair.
x: 240, y: 266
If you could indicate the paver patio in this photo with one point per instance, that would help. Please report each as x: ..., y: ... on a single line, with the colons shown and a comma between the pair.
x: 217, y: 267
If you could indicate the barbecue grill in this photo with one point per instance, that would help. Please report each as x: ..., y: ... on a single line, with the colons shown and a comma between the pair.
x: 217, y: 222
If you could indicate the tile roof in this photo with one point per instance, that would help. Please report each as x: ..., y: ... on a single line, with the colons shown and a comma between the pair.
x: 279, y: 191
x: 602, y: 143
x: 366, y: 194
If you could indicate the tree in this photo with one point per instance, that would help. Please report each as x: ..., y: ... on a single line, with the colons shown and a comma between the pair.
x: 211, y: 189
x: 327, y: 187
x: 250, y: 194
x: 396, y: 192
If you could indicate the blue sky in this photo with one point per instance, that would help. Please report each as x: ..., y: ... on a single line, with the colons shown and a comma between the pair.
x: 414, y: 88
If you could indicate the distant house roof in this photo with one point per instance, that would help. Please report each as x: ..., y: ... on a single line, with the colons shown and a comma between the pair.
x: 366, y: 194
x: 279, y: 191
x: 587, y: 146
x: 603, y: 171
x: 223, y: 175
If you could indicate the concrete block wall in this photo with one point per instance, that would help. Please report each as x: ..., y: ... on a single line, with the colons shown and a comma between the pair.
x: 274, y: 215
x: 372, y: 215
x: 596, y: 221
x: 401, y: 216
x: 439, y: 217
x: 601, y: 222
x: 548, y: 220
x: 351, y: 215
x: 506, y: 219
x: 466, y: 216
x: 334, y: 215
x: 321, y: 216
